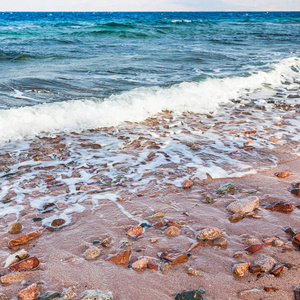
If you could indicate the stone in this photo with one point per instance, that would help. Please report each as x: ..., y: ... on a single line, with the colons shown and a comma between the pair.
x: 70, y: 293
x: 278, y: 243
x: 30, y: 293
x: 255, y: 269
x: 120, y: 258
x: 227, y: 188
x: 14, y: 277
x: 25, y: 265
x: 25, y: 238
x: 235, y: 218
x: 266, y: 263
x: 135, y: 231
x: 210, y: 234
x: 281, y: 206
x: 58, y: 223
x: 270, y: 289
x: 107, y: 242
x: 47, y: 207
x: 277, y: 269
x: 208, y: 200
x: 155, y: 240
x: 4, y: 297
x: 97, y: 295
x: 220, y: 242
x: 251, y: 241
x: 15, y: 257
x: 296, y: 239
x: 297, y: 292
x: 238, y: 254
x: 187, y: 184
x: 49, y: 295
x: 190, y: 295
x: 153, y: 265
x: 254, y: 248
x: 283, y: 174
x: 172, y: 231
x: 92, y: 252
x: 296, y: 191
x: 243, y: 206
x: 241, y: 269
x: 140, y: 263
x: 15, y: 227
x: 251, y: 294
x: 165, y: 267
x: 174, y: 256
x: 159, y: 215
x: 289, y: 230
x: 193, y: 272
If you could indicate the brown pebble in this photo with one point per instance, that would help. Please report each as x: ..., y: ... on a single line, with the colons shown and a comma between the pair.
x: 174, y: 256
x: 140, y: 263
x: 235, y: 218
x: 164, y: 268
x: 25, y: 238
x: 255, y: 269
x: 283, y: 174
x: 153, y: 265
x: 70, y: 293
x: 15, y: 227
x: 254, y: 248
x: 107, y: 242
x: 193, y: 272
x: 187, y: 184
x: 172, y: 231
x: 30, y: 293
x: 92, y: 252
x: 135, y: 231
x: 277, y: 269
x: 14, y: 277
x: 281, y: 206
x: 121, y: 258
x: 270, y: 289
x: 58, y: 222
x: 297, y: 292
x: 296, y: 239
x: 25, y: 265
x: 241, y: 269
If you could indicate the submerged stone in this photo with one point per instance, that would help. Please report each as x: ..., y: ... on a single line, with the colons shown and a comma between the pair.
x: 190, y: 295
x: 227, y: 188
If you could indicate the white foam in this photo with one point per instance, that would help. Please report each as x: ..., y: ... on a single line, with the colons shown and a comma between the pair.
x: 140, y: 103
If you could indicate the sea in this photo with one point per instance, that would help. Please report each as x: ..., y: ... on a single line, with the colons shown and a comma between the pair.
x: 118, y: 97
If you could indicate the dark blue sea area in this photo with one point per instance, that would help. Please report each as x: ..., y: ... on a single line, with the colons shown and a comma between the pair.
x: 57, y: 56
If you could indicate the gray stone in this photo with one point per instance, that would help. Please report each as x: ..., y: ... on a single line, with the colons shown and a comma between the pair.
x: 190, y: 295
x: 227, y: 188
x: 96, y: 295
x: 243, y: 206
x: 266, y: 263
x: 50, y: 295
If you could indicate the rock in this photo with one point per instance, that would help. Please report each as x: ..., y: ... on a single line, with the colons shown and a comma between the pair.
x: 209, y: 234
x: 4, y: 297
x: 266, y: 263
x: 220, y: 242
x: 235, y: 218
x: 251, y: 241
x: 140, y: 263
x: 153, y: 265
x: 121, y: 258
x: 165, y: 267
x: 174, y: 256
x: 135, y: 231
x: 187, y: 184
x: 172, y: 223
x: 270, y: 289
x: 92, y: 252
x: 254, y: 248
x: 295, y: 191
x: 193, y: 272
x: 190, y: 295
x: 30, y: 293
x: 96, y: 295
x: 26, y: 264
x: 107, y: 242
x: 277, y: 269
x: 241, y: 269
x: 172, y: 231
x: 15, y: 227
x: 291, y: 266
x: 70, y: 293
x: 278, y: 243
x: 255, y: 269
x: 15, y: 257
x: 227, y: 188
x: 238, y: 254
x: 281, y: 206
x: 155, y: 240
x: 208, y: 200
x: 25, y: 238
x: 289, y: 230
x: 14, y: 277
x: 251, y: 294
x: 243, y: 206
x: 296, y: 239
x: 50, y: 295
x: 47, y: 207
x: 283, y: 174
x: 58, y: 223
x: 159, y: 215
x: 297, y: 292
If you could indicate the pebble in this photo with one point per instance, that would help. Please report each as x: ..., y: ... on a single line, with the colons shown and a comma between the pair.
x: 25, y: 238
x: 266, y: 263
x: 50, y: 295
x: 153, y: 265
x: 92, y: 252
x: 174, y: 256
x: 194, y: 272
x: 297, y: 292
x: 172, y: 231
x: 58, y: 223
x: 241, y: 269
x: 209, y: 234
x: 107, y: 242
x: 208, y: 200
x: 283, y: 174
x: 235, y: 218
x: 187, y: 184
x: 155, y: 240
x: 15, y: 257
x: 165, y: 267
x: 220, y: 242
x: 254, y: 248
x: 15, y: 227
x: 251, y: 294
x: 270, y: 289
x: 30, y: 293
x: 227, y: 188
x: 25, y: 265
x: 4, y: 297
x: 14, y: 277
x: 243, y: 206
x: 277, y: 269
x: 70, y: 293
x: 251, y: 241
x: 238, y: 254
x: 188, y: 295
x: 135, y: 231
x: 281, y: 206
x: 97, y: 295
x: 296, y: 239
x: 120, y: 258
x: 140, y: 263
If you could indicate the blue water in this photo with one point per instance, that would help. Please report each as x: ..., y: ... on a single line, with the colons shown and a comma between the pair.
x: 52, y: 57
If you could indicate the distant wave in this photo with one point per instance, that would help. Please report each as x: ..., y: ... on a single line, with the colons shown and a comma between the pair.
x: 141, y: 103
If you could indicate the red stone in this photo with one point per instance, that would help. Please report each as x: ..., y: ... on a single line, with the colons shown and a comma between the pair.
x: 277, y: 269
x: 26, y: 264
x: 187, y: 184
x: 296, y: 239
x: 174, y: 256
x: 152, y: 265
x: 281, y: 207
x: 121, y: 258
x: 25, y: 238
x: 135, y: 231
x: 283, y: 174
x: 30, y: 293
x: 270, y: 289
x: 254, y: 248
